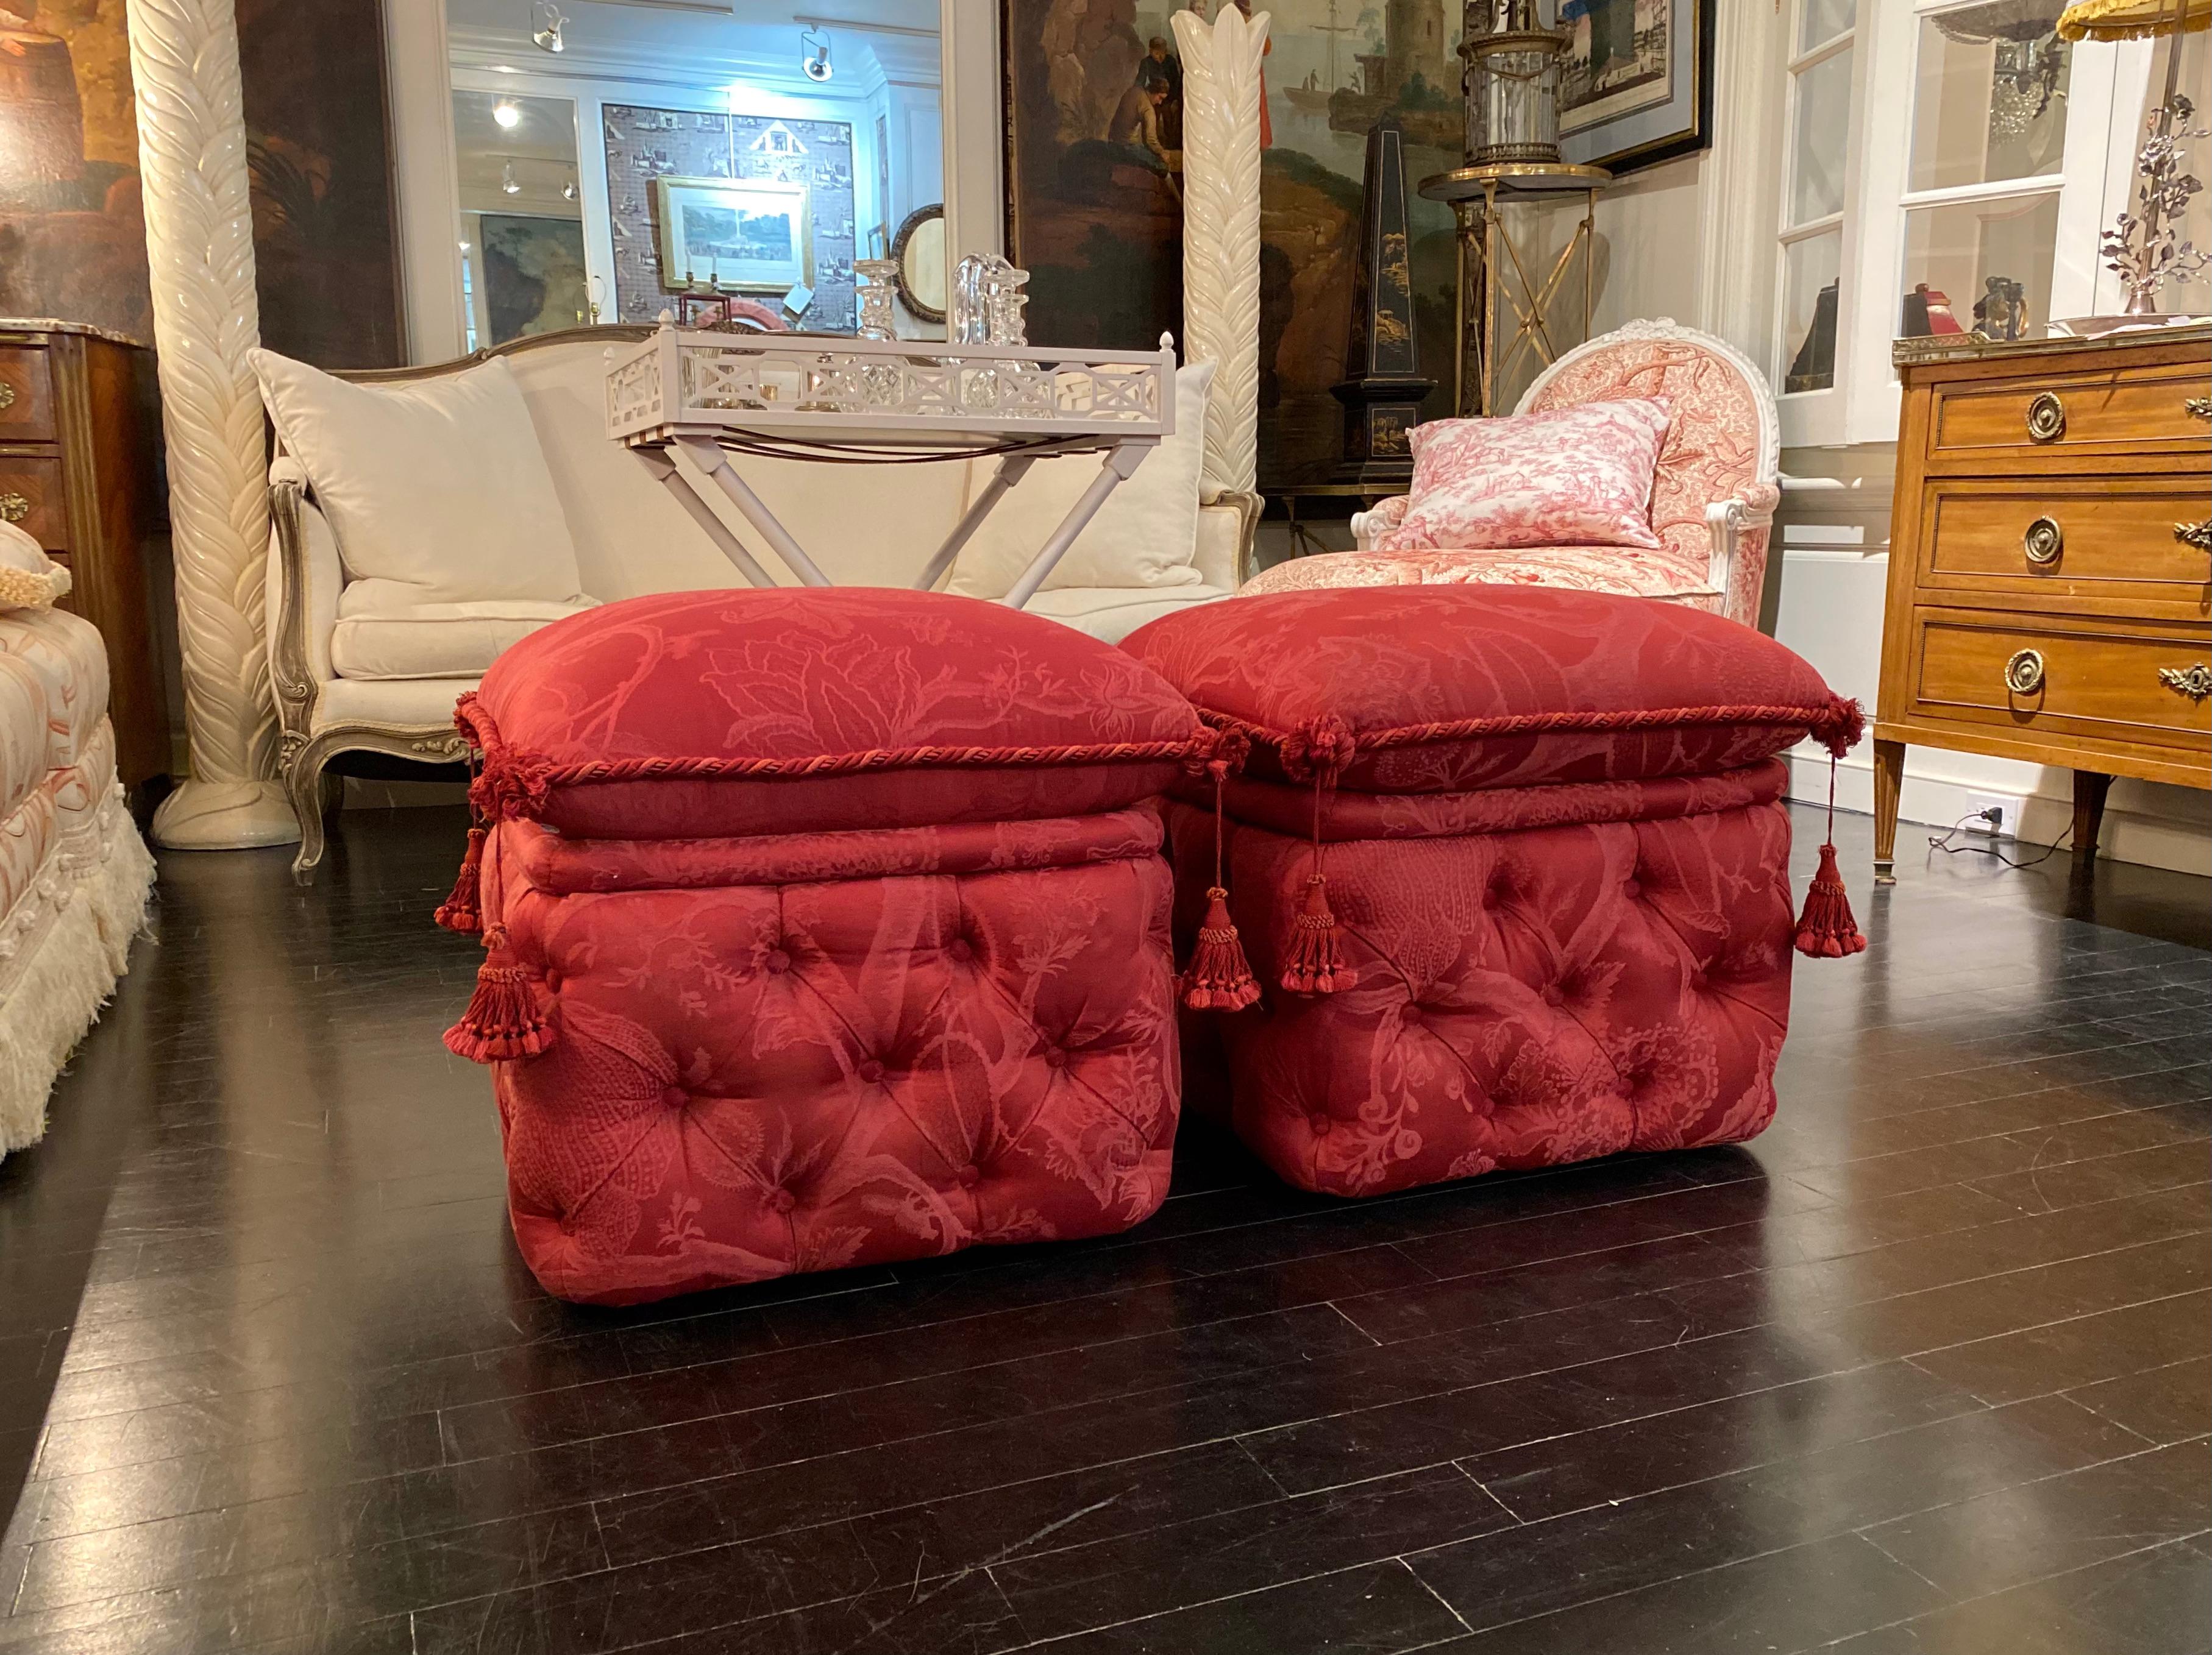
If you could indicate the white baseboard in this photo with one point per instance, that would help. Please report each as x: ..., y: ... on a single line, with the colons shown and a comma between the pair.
x: 1935, y: 798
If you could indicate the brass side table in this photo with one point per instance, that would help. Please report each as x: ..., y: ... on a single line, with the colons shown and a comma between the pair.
x: 1495, y: 277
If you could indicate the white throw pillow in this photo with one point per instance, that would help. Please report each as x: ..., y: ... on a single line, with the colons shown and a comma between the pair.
x: 436, y: 490
x: 1146, y: 534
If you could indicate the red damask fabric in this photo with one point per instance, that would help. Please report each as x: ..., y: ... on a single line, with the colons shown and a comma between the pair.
x: 702, y: 714
x: 756, y: 1075
x: 1483, y: 687
x: 1520, y: 999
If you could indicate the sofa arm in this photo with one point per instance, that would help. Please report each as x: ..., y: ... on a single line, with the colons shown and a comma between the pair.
x: 1727, y: 522
x: 305, y: 579
x: 1226, y: 526
x: 1370, y: 527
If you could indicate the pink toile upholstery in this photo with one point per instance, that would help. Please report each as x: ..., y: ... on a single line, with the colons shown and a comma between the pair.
x: 1712, y: 499
x: 879, y: 966
x: 1551, y: 828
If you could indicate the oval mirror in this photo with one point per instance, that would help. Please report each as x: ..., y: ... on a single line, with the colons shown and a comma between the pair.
x: 919, y: 250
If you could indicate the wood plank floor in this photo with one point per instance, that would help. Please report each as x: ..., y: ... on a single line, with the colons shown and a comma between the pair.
x: 1923, y: 1369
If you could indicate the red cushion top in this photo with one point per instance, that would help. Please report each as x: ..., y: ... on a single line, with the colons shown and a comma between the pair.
x: 713, y: 713
x: 1433, y: 689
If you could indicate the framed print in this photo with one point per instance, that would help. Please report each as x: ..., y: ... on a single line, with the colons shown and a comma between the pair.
x: 533, y: 274
x: 744, y: 235
x: 1636, y: 83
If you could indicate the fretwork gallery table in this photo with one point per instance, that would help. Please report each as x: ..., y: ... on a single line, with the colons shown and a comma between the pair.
x: 896, y: 401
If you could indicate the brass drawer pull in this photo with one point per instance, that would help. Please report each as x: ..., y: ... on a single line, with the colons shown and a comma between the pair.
x: 14, y: 507
x: 2046, y: 418
x: 7, y: 394
x: 2043, y: 540
x: 2195, y: 682
x: 2200, y: 408
x: 2024, y: 672
x: 2198, y: 535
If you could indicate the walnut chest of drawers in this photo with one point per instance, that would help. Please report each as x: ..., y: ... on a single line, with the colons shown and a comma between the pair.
x: 2051, y: 563
x: 78, y: 427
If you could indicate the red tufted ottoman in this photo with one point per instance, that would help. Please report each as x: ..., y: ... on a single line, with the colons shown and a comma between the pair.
x: 1554, y: 920
x: 824, y: 928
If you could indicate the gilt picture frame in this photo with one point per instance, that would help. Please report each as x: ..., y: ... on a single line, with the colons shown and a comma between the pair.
x: 733, y: 236
x: 1636, y: 82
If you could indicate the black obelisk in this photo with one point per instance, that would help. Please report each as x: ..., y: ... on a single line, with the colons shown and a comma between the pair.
x: 1382, y: 400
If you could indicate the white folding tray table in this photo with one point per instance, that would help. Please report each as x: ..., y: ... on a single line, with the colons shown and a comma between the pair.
x: 705, y: 396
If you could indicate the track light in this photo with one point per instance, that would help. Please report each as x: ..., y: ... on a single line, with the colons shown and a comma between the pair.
x: 569, y: 190
x: 508, y: 184
x: 507, y: 115
x: 814, y: 55
x: 546, y: 24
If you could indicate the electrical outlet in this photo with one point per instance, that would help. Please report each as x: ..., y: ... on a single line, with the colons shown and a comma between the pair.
x: 2007, y: 825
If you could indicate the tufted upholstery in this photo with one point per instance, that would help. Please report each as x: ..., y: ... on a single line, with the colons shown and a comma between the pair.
x: 1555, y: 851
x: 1522, y: 999
x: 933, y: 1010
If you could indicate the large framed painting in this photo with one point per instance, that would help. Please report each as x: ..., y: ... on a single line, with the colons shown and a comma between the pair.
x: 72, y: 226
x: 319, y: 166
x: 753, y: 235
x: 1636, y: 85
x: 1094, y: 159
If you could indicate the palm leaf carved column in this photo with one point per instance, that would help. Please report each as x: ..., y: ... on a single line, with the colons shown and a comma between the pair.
x: 1221, y: 235
x: 199, y: 244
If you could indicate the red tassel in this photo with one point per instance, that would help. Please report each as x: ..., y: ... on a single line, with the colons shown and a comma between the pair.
x: 503, y: 1021
x: 1316, y: 964
x: 1826, y: 930
x: 458, y: 912
x: 1220, y: 977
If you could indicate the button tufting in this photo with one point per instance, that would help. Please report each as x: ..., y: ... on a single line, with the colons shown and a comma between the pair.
x: 1410, y: 1013
x: 553, y: 982
x: 779, y: 961
x: 1320, y: 1124
x: 1633, y: 889
x: 871, y: 1071
x: 970, y: 1175
x: 960, y: 948
x: 1554, y: 995
x: 1055, y: 1058
x: 780, y: 1201
x: 675, y: 1097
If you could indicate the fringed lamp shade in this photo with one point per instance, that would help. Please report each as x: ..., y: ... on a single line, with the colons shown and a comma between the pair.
x: 2133, y: 19
x: 41, y: 122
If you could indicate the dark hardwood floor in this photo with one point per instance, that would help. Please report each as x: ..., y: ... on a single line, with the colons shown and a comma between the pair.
x: 1923, y: 1369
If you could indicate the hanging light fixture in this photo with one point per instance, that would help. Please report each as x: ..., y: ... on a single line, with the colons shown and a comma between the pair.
x: 546, y: 23
x: 507, y: 115
x: 508, y: 184
x: 814, y: 54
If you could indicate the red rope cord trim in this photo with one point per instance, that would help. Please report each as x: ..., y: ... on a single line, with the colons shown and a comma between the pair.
x: 1839, y: 723
x: 516, y: 784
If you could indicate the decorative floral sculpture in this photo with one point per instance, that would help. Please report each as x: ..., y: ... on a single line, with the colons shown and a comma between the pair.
x: 2142, y: 246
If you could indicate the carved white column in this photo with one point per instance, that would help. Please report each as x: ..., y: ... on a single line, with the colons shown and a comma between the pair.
x: 1221, y: 231
x: 199, y: 243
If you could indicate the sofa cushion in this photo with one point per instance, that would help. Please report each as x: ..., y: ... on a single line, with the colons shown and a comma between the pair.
x: 436, y: 489
x: 1574, y: 476
x: 695, y: 714
x: 1468, y: 686
x: 439, y: 641
x: 1144, y: 536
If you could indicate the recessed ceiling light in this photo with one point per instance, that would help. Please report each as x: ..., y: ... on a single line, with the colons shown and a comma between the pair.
x: 507, y: 114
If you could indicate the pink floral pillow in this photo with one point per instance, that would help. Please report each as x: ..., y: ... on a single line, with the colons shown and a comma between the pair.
x: 1577, y: 476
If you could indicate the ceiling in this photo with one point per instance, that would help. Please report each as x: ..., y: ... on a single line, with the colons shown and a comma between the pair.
x: 675, y: 36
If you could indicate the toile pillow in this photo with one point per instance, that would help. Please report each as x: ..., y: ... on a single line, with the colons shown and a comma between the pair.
x: 1577, y: 476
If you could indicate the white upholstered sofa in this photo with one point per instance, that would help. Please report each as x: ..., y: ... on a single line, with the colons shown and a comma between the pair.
x: 864, y: 524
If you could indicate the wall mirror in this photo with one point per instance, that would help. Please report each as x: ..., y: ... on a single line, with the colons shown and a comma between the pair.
x: 614, y: 159
x: 918, y: 249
